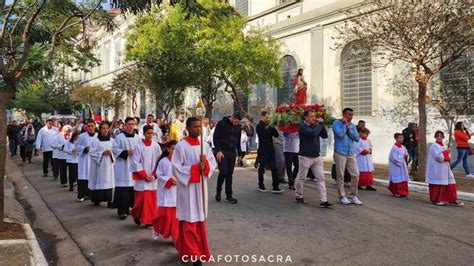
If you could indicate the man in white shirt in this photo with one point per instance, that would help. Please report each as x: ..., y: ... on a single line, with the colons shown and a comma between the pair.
x: 158, y: 135
x: 44, y: 140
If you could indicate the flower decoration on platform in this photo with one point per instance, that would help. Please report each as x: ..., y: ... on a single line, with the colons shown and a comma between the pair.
x: 289, y: 117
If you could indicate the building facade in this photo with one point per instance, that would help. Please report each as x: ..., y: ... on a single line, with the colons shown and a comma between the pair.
x: 337, y: 77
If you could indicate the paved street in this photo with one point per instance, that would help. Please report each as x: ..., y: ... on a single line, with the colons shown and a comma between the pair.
x: 385, y: 230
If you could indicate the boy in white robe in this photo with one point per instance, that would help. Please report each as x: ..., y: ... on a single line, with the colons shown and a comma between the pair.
x: 192, y: 169
x: 397, y: 161
x: 143, y: 167
x: 58, y: 145
x: 164, y: 221
x: 363, y: 151
x: 123, y: 147
x: 101, y: 181
x: 72, y: 159
x: 439, y: 176
x: 83, y: 145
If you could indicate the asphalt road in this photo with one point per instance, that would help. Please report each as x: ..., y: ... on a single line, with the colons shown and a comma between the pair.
x: 383, y: 231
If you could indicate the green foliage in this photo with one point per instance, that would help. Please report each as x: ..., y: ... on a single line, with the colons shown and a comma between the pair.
x: 30, y: 98
x: 186, y: 49
x: 94, y: 97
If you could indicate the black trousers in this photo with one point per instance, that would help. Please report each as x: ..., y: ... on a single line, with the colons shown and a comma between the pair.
x: 73, y: 172
x: 83, y: 189
x: 55, y: 167
x: 292, y: 166
x: 100, y: 195
x: 124, y: 198
x: 62, y: 165
x: 226, y: 170
x: 264, y: 161
x: 47, y: 159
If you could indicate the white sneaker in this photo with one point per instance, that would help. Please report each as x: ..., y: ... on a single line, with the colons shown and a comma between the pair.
x: 470, y: 176
x: 154, y: 235
x: 344, y: 201
x: 356, y: 200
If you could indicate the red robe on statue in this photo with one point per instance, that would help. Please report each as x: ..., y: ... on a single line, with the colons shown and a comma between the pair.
x: 300, y: 96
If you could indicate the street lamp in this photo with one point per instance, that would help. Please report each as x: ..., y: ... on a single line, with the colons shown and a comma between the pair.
x: 201, y: 112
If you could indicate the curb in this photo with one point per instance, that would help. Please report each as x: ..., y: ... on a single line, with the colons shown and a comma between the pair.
x: 36, y: 255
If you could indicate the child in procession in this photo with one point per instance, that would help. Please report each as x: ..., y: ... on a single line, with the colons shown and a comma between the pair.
x: 363, y: 151
x: 397, y: 161
x: 439, y: 176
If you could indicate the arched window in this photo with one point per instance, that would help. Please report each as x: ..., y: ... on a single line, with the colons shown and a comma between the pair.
x: 356, y: 72
x: 289, y: 69
x: 458, y: 82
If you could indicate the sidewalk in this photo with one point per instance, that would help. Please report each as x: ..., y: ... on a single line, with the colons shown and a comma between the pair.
x: 25, y: 205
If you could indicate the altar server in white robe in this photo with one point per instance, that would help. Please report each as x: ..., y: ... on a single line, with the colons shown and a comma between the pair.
x: 124, y: 145
x: 397, y: 162
x: 61, y: 157
x: 143, y: 167
x: 363, y: 151
x: 165, y: 223
x: 439, y: 176
x: 192, y: 169
x: 102, y: 178
x: 157, y: 133
x: 83, y: 145
x: 72, y: 158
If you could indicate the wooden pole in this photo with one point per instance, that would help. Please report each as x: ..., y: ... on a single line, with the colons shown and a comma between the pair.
x: 202, y: 176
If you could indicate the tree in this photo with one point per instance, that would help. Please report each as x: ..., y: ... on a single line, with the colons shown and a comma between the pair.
x: 190, y: 48
x: 31, y: 98
x: 129, y: 83
x: 95, y: 97
x: 429, y: 35
x: 37, y: 29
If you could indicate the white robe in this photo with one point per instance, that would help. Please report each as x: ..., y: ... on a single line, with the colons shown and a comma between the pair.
x: 145, y: 158
x: 82, y: 142
x: 438, y: 171
x: 157, y: 137
x: 58, y: 145
x: 102, y: 166
x: 364, y: 162
x: 45, y: 138
x: 166, y: 197
x: 71, y: 152
x: 189, y: 205
x: 243, y: 141
x: 397, y: 165
x: 123, y: 176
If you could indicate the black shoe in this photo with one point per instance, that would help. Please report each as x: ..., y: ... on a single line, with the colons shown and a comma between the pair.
x: 122, y: 216
x: 300, y: 200
x: 218, y: 196
x: 360, y: 188
x: 277, y: 191
x: 71, y: 189
x: 262, y: 189
x: 197, y: 263
x: 137, y: 221
x: 325, y: 204
x: 231, y: 200
x: 283, y: 181
x: 291, y: 187
x: 370, y: 188
x: 24, y: 160
x: 55, y: 178
x: 45, y: 175
x: 96, y: 203
x: 111, y: 205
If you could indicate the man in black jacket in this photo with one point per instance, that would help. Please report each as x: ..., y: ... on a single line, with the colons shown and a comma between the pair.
x: 12, y: 131
x: 266, y: 153
x: 309, y: 158
x: 227, y: 148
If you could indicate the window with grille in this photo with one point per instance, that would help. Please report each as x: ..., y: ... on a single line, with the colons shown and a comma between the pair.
x: 458, y: 83
x: 286, y: 95
x: 356, y: 72
x: 242, y: 6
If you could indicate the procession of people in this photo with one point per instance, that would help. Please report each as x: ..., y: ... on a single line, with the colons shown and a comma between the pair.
x: 158, y: 173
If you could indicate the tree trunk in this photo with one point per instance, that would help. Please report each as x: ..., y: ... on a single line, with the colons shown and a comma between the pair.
x: 422, y: 123
x: 5, y: 98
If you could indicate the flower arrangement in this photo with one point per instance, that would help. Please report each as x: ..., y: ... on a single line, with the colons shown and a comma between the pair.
x: 289, y: 117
